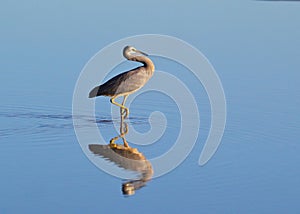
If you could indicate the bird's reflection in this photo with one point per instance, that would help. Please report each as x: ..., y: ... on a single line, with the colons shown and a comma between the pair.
x: 126, y: 157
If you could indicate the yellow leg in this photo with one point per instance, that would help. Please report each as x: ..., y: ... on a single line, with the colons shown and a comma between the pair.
x: 112, y: 100
x: 112, y: 141
x: 122, y: 110
x: 123, y: 132
x: 125, y: 142
x: 123, y: 128
x: 126, y: 109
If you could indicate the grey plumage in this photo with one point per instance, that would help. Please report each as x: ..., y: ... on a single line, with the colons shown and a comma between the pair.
x: 127, y: 82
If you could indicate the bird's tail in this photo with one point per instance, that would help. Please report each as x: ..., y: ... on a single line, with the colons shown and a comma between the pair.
x: 95, y: 92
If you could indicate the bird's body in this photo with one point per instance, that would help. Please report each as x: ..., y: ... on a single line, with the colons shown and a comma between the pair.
x: 127, y: 82
x: 122, y: 84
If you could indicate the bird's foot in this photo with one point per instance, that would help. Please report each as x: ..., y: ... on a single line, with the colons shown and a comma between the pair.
x: 112, y: 141
x: 125, y: 143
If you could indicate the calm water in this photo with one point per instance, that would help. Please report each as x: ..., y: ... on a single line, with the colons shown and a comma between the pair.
x: 254, y: 47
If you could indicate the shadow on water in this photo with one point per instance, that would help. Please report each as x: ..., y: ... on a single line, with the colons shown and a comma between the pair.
x: 127, y: 158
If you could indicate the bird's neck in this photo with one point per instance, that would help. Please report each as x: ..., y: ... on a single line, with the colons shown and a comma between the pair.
x: 146, y: 61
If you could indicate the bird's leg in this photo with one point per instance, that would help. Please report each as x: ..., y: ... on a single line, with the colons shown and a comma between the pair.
x: 122, y: 110
x: 123, y: 131
x: 125, y: 142
x: 125, y: 108
x: 121, y: 126
x: 112, y: 100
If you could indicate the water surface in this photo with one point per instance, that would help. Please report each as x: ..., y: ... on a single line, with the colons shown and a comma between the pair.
x: 254, y: 49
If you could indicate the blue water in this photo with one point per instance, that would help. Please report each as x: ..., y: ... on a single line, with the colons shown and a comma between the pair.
x: 253, y: 46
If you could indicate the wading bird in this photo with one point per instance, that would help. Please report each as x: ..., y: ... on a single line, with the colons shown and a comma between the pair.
x: 128, y: 82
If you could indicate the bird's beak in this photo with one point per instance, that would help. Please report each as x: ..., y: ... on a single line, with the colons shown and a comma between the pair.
x: 141, y: 52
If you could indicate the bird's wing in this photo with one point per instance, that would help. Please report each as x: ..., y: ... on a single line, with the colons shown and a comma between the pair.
x: 133, y: 80
x: 125, y: 82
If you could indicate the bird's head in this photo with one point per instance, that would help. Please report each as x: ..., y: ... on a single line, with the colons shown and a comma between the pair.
x: 128, y: 188
x: 129, y: 52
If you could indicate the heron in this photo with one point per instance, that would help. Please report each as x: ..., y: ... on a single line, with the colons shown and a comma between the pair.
x: 127, y: 82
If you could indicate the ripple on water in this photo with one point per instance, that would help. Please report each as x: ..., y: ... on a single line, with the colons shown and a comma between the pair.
x: 43, y: 124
